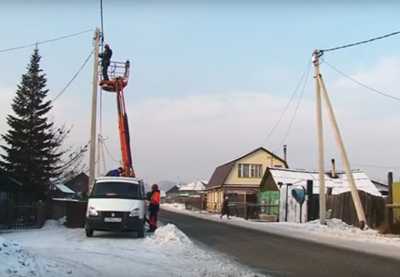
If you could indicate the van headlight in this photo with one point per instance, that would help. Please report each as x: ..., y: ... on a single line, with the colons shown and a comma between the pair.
x: 135, y: 212
x: 92, y: 211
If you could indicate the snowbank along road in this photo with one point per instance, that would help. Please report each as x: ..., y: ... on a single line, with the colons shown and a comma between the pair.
x: 57, y: 251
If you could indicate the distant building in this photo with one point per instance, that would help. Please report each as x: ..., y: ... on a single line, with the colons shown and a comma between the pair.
x: 193, y: 188
x: 172, y: 193
x: 282, y: 181
x: 79, y: 184
x: 62, y: 192
x: 240, y: 178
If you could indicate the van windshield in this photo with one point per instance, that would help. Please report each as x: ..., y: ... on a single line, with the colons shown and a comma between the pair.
x: 117, y: 190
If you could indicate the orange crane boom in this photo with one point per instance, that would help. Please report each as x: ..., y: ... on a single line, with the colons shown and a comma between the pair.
x: 117, y: 84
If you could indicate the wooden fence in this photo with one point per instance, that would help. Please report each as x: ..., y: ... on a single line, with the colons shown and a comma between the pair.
x: 342, y: 207
x: 20, y: 216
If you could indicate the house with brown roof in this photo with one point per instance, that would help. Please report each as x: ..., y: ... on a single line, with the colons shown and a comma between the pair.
x: 240, y: 178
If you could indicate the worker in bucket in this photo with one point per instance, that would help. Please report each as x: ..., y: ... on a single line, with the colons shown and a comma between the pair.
x: 154, y: 207
x: 116, y: 172
x: 105, y: 61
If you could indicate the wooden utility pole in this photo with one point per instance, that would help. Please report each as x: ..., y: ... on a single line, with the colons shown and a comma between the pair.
x: 93, y: 135
x: 322, y: 197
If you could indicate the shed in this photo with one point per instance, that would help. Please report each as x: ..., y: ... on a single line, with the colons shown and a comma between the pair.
x: 285, y: 180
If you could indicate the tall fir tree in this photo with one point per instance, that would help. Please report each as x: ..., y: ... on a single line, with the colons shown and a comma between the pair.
x: 32, y: 150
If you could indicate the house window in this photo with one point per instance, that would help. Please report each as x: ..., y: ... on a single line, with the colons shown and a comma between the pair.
x: 249, y: 170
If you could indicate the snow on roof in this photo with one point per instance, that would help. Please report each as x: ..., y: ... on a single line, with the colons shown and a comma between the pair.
x: 338, y: 185
x: 196, y: 185
x: 64, y: 189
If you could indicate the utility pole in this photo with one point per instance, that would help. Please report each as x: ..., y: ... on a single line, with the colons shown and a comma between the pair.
x: 93, y: 135
x: 320, y: 87
x: 339, y: 141
x: 285, y: 152
x: 322, y: 197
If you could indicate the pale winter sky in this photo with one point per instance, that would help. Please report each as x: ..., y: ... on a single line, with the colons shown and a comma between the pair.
x: 211, y: 78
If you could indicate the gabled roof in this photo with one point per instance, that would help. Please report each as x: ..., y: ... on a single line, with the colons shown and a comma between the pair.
x: 79, y: 183
x: 194, y: 186
x: 174, y: 189
x: 64, y: 189
x: 340, y: 184
x: 221, y: 172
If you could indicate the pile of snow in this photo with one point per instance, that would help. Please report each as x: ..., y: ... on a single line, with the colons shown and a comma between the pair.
x: 170, y: 234
x: 337, y: 228
x: 58, y: 251
x: 16, y: 261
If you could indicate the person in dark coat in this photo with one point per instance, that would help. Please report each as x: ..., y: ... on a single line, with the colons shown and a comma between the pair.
x: 115, y: 172
x: 154, y: 207
x: 225, y: 208
x: 105, y: 60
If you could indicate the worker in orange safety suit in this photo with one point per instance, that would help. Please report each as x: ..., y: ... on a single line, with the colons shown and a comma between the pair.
x: 154, y: 207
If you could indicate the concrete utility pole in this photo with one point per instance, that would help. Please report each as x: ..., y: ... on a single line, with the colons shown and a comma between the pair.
x: 320, y: 85
x: 322, y: 197
x: 93, y: 135
x: 339, y: 141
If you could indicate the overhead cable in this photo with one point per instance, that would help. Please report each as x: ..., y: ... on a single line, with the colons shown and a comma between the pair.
x: 360, y: 42
x: 297, y: 106
x: 360, y: 83
x: 34, y: 44
x: 73, y: 77
x: 101, y: 21
x: 288, y: 104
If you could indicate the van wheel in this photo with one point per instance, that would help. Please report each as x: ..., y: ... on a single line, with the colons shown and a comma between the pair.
x: 140, y: 233
x: 89, y: 232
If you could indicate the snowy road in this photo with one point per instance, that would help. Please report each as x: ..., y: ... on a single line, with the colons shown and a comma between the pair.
x: 57, y: 251
x: 280, y: 255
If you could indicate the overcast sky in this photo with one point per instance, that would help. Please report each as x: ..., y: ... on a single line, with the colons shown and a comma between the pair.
x: 211, y: 78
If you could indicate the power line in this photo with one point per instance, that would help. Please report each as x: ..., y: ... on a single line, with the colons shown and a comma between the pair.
x: 44, y: 41
x: 359, y: 42
x: 73, y: 77
x: 101, y: 20
x: 360, y: 83
x: 287, y: 105
x: 297, y: 106
x: 109, y: 153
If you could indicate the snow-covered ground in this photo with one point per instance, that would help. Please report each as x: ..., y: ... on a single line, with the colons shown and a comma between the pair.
x: 57, y: 251
x: 335, y: 233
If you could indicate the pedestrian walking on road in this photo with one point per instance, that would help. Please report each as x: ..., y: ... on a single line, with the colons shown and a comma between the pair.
x: 154, y: 207
x: 225, y: 208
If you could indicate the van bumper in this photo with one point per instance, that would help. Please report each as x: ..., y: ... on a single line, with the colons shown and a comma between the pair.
x: 127, y: 224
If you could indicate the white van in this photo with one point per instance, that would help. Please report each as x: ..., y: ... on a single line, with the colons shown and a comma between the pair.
x: 116, y: 204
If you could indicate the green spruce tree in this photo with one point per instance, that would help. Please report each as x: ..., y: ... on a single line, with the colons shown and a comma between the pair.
x: 32, y: 150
